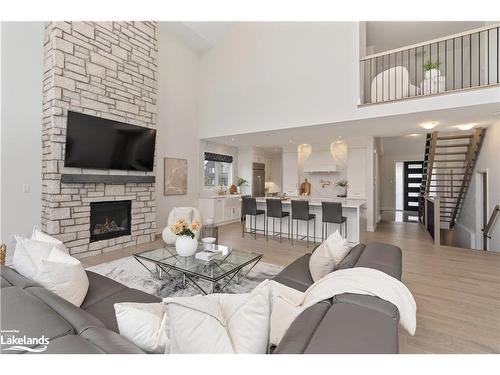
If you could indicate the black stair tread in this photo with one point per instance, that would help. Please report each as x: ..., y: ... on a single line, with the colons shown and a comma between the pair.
x: 446, y: 167
x: 453, y: 145
x: 446, y: 137
x: 450, y: 153
x: 450, y: 161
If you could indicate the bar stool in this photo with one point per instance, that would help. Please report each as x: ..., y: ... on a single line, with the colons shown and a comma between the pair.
x: 275, y: 211
x: 250, y: 209
x: 331, y: 212
x: 300, y: 212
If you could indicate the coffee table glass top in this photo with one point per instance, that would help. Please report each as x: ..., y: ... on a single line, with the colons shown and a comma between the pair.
x: 222, y: 265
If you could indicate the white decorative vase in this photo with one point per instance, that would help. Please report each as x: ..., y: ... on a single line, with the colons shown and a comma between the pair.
x: 342, y: 191
x: 186, y: 246
x: 432, y: 73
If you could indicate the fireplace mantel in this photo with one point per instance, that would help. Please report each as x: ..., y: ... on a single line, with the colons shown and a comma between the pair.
x: 105, y: 178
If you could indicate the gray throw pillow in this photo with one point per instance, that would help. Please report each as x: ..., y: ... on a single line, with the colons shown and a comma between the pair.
x: 351, y: 258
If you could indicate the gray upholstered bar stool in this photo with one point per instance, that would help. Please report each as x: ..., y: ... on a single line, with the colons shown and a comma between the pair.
x: 300, y: 212
x: 275, y: 211
x: 331, y: 212
x: 250, y: 209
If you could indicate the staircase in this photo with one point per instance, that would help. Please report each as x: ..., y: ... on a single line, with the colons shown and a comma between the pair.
x: 448, y: 165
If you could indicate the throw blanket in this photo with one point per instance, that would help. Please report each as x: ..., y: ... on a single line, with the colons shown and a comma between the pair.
x: 242, y: 323
x: 288, y: 303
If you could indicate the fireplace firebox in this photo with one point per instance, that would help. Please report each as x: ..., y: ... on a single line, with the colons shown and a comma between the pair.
x: 109, y: 219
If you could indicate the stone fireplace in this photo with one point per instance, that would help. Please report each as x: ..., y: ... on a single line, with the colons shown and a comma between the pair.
x: 109, y: 70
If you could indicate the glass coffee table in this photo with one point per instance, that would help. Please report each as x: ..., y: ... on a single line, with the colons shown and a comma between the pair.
x: 222, y: 269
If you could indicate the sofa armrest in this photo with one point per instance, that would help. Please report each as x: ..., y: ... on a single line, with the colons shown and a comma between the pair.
x: 370, y: 302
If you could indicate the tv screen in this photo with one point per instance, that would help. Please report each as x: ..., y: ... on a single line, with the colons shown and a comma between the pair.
x: 94, y: 142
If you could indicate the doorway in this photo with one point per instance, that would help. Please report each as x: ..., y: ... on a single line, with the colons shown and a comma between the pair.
x: 412, y: 180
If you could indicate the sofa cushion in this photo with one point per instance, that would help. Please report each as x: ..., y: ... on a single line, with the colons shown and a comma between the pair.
x: 296, y: 275
x: 77, y: 318
x: 383, y: 257
x: 352, y: 329
x: 297, y: 336
x: 321, y: 263
x: 10, y: 277
x: 28, y: 315
x: 104, y: 309
x: 100, y: 287
x: 63, y: 275
x: 351, y: 258
x: 28, y: 255
x: 109, y: 342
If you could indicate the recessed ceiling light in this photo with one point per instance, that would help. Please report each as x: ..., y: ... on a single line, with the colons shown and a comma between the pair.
x: 413, y: 135
x: 466, y: 126
x: 429, y: 125
x: 232, y: 139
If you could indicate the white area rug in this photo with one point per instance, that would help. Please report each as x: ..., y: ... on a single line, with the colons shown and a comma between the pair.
x: 129, y: 272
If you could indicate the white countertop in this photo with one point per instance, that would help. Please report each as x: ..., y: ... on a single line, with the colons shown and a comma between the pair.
x: 221, y: 196
x: 347, y: 203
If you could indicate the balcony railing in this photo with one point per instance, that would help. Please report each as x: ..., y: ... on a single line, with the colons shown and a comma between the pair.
x: 458, y: 62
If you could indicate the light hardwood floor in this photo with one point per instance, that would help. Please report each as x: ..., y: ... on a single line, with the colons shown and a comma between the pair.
x: 457, y: 291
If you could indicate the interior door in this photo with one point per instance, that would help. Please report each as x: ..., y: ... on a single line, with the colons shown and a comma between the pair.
x: 412, y: 179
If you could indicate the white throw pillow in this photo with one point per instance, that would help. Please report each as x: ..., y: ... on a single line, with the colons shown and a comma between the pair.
x: 220, y: 323
x: 28, y: 255
x: 321, y: 263
x: 38, y: 235
x: 185, y: 213
x: 143, y: 324
x: 337, y: 246
x: 63, y: 275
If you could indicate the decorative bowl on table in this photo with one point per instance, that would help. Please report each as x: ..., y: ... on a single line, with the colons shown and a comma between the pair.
x: 208, y: 243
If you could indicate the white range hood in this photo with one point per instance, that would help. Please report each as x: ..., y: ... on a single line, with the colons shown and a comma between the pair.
x: 320, y: 162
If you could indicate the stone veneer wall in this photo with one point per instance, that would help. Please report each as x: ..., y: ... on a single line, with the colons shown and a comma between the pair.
x: 105, y: 69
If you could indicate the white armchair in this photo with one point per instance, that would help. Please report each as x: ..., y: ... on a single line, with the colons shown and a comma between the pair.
x: 187, y: 213
x: 399, y: 86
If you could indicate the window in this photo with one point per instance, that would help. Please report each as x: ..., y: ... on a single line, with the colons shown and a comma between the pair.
x: 217, y: 170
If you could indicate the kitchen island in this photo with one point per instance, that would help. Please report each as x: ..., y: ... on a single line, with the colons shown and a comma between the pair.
x: 353, y: 209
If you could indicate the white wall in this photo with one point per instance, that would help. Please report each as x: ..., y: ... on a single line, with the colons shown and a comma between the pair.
x: 276, y: 75
x: 21, y: 161
x: 177, y: 130
x: 396, y: 149
x: 488, y: 160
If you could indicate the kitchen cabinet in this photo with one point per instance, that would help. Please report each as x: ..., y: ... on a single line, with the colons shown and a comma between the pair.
x: 356, y: 172
x: 290, y: 174
x: 222, y: 210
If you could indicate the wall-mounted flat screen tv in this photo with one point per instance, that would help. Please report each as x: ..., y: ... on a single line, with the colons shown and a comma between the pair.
x: 94, y: 142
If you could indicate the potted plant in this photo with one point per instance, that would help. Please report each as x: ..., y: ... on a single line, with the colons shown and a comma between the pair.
x: 241, y: 182
x: 432, y: 69
x: 186, y: 243
x: 342, y: 184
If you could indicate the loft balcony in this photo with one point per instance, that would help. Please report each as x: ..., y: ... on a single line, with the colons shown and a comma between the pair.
x: 458, y: 62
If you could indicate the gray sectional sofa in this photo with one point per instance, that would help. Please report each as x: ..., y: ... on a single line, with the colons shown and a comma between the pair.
x: 345, y: 324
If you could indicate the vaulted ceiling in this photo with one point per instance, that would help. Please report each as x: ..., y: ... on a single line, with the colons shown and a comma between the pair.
x: 200, y: 36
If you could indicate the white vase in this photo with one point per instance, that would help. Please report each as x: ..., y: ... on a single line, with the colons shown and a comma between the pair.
x: 186, y: 246
x: 432, y: 73
x: 342, y: 191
